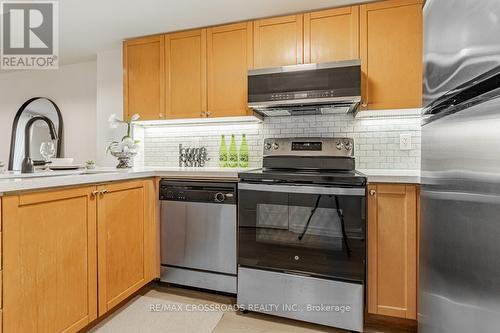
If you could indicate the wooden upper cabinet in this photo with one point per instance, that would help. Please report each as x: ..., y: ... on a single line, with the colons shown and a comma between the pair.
x: 50, y: 268
x: 278, y: 41
x: 126, y: 241
x: 144, y: 79
x: 392, y: 250
x: 331, y: 35
x: 391, y: 54
x: 185, y: 56
x: 229, y: 56
x: 203, y: 72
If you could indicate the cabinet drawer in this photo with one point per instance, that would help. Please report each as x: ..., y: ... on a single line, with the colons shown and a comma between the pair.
x: 265, y: 287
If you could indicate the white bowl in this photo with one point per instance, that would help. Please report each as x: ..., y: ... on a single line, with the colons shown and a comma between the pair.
x: 62, y: 160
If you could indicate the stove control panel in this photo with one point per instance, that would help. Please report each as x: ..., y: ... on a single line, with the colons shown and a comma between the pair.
x: 342, y: 147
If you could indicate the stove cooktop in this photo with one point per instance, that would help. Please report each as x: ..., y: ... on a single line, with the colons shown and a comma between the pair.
x: 323, y: 177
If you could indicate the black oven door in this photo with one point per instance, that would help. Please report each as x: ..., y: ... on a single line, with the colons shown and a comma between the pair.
x: 312, y: 230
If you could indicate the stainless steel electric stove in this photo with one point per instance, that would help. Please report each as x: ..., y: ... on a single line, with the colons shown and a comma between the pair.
x: 302, y: 232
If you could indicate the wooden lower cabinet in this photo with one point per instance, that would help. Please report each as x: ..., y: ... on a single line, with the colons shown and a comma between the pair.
x: 50, y: 261
x: 392, y: 250
x: 70, y: 255
x: 126, y: 240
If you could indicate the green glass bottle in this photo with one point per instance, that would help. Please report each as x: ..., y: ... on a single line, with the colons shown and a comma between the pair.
x: 233, y: 154
x: 244, y: 152
x: 223, y: 152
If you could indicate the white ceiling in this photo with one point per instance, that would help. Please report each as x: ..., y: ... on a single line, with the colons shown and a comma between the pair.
x: 90, y: 26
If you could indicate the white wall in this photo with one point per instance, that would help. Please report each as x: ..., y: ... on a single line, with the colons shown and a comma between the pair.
x: 71, y: 87
x: 109, y: 101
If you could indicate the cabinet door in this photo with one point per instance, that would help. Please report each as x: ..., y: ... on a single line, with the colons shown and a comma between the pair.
x: 126, y: 242
x: 186, y: 74
x: 50, y: 276
x: 229, y: 56
x: 392, y: 250
x: 391, y: 54
x: 331, y: 35
x: 144, y: 77
x: 278, y: 41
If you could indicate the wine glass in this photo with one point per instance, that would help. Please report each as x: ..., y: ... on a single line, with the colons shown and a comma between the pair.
x: 47, y: 150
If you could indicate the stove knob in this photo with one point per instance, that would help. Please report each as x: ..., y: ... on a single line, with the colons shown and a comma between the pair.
x: 347, y: 145
x: 275, y: 145
x: 339, y: 145
x: 267, y: 146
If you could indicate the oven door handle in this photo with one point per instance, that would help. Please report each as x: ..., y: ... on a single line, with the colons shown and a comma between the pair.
x: 356, y: 191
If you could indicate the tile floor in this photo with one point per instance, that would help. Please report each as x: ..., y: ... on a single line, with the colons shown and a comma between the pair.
x: 232, y: 322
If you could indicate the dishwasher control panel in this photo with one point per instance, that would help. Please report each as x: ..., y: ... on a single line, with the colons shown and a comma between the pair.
x: 189, y: 191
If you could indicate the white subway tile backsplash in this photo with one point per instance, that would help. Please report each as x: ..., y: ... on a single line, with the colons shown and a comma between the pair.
x: 376, y: 139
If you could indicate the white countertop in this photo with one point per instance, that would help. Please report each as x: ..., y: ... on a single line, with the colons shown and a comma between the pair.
x: 42, y: 180
x: 392, y: 176
x: 15, y: 182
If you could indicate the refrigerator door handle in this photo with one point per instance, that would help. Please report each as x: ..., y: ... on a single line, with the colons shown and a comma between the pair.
x: 480, y: 89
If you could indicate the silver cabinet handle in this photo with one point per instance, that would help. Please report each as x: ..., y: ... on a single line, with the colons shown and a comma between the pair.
x: 104, y: 192
x: 372, y: 192
x: 94, y: 193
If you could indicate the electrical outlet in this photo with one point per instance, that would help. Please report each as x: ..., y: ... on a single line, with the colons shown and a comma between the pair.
x: 405, y: 141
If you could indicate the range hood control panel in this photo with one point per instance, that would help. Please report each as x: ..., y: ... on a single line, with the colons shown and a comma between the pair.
x: 302, y: 95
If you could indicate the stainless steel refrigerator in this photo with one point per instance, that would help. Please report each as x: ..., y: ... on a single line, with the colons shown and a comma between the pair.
x: 459, y: 279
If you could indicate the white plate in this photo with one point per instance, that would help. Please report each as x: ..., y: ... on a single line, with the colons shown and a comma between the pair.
x: 62, y: 160
x: 65, y: 167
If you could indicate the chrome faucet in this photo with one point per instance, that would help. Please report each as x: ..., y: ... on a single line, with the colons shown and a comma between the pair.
x: 28, y: 166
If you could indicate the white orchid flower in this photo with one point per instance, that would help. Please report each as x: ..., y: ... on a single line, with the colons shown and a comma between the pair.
x: 128, y: 142
x: 113, y: 118
x: 114, y: 121
x: 127, y: 145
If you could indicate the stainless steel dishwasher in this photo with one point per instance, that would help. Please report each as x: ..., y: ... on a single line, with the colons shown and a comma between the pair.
x: 198, y: 234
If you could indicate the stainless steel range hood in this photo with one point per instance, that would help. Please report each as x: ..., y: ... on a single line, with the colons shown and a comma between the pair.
x: 324, y: 88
